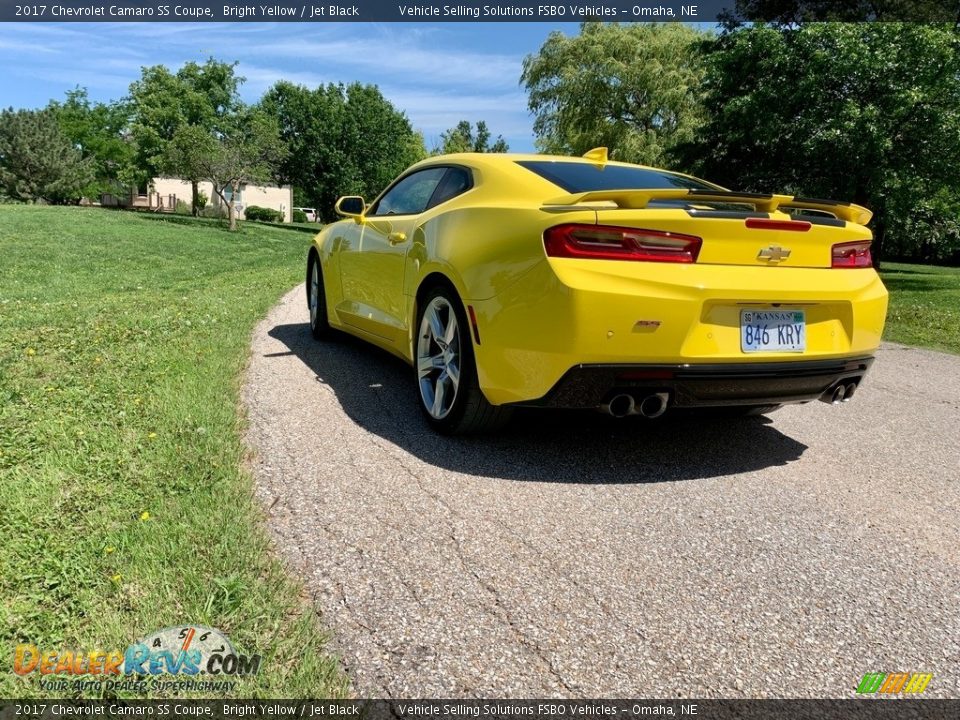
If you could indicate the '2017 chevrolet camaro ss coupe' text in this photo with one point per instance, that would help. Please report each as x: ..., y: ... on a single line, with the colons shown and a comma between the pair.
x: 531, y: 280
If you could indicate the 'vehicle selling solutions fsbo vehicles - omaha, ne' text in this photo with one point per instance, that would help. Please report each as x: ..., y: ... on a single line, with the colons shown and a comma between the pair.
x: 532, y: 280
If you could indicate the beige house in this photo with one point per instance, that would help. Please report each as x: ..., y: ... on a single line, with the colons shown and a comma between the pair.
x: 268, y: 196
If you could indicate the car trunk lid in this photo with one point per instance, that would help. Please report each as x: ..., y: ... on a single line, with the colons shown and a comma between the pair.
x: 746, y: 229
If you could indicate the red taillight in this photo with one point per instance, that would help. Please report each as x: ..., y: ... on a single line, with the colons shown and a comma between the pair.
x: 766, y: 224
x: 604, y: 242
x: 852, y: 255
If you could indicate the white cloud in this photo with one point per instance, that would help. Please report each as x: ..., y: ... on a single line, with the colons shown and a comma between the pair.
x: 402, y: 61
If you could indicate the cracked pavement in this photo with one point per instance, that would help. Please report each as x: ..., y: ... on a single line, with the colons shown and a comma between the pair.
x: 577, y: 556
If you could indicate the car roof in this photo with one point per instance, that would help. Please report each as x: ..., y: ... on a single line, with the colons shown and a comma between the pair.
x: 481, y: 160
x: 506, y: 158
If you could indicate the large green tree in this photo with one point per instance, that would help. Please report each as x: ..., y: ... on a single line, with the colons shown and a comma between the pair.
x: 868, y: 113
x: 379, y: 140
x: 37, y: 161
x: 311, y: 123
x: 203, y: 96
x: 98, y: 131
x: 634, y: 88
x: 342, y: 139
x: 246, y: 148
x: 463, y: 138
x: 795, y: 12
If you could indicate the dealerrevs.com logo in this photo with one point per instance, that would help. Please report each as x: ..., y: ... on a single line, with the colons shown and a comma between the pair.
x: 894, y: 683
x: 185, y: 651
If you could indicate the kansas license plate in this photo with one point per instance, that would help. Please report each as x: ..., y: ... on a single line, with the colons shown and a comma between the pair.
x: 773, y: 331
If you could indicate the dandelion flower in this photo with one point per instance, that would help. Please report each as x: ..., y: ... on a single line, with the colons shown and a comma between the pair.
x: 117, y: 578
x: 152, y: 435
x: 31, y: 351
x: 109, y: 550
x: 145, y: 515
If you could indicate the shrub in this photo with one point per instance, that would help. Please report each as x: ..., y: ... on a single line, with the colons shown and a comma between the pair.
x: 183, y: 207
x: 202, y: 201
x: 214, y: 211
x: 254, y: 212
x: 299, y: 216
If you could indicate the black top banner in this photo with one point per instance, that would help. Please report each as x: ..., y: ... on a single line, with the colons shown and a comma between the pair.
x: 709, y: 11
x: 450, y: 709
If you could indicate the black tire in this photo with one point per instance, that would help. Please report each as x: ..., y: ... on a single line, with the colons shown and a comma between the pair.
x: 470, y: 412
x: 319, y: 324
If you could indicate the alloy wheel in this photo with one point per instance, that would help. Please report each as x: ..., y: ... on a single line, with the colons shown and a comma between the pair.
x: 438, y: 357
x: 314, y: 292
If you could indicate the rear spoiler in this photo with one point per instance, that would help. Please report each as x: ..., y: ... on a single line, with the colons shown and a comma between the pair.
x: 638, y: 199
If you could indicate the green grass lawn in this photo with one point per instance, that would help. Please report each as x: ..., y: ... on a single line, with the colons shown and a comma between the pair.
x: 124, y: 505
x: 924, y: 305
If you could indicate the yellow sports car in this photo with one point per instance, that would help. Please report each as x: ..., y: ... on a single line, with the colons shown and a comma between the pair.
x: 532, y: 280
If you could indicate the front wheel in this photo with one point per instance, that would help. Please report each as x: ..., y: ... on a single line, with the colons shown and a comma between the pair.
x: 450, y: 394
x: 316, y: 298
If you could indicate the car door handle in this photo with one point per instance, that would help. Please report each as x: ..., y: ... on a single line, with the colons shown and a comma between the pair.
x: 395, y: 238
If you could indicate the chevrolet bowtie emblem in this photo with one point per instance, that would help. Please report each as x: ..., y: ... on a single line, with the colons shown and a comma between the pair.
x: 774, y: 253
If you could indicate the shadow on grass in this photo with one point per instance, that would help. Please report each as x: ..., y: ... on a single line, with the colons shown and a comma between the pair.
x: 922, y: 283
x: 214, y: 223
x: 377, y: 391
x: 222, y: 224
x: 287, y: 226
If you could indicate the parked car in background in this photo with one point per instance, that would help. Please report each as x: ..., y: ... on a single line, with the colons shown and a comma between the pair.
x: 311, y: 213
x: 531, y: 280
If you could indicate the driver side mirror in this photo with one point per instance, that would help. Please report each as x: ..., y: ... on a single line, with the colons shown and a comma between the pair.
x: 351, y: 206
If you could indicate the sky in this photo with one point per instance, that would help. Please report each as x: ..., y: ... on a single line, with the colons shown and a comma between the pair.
x: 438, y: 73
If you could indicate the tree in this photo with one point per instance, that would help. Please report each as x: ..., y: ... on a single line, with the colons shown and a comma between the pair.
x: 342, y: 139
x: 380, y: 143
x: 793, y: 12
x: 97, y: 130
x: 202, y: 96
x: 37, y: 161
x: 633, y: 88
x: 311, y: 123
x: 247, y: 149
x: 868, y: 113
x: 462, y: 139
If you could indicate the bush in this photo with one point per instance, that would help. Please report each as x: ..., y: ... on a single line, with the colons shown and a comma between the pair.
x: 202, y: 201
x: 183, y: 208
x: 299, y: 216
x: 214, y: 211
x: 263, y: 214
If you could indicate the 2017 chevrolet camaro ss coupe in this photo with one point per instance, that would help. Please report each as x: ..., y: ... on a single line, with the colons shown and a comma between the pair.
x: 532, y: 280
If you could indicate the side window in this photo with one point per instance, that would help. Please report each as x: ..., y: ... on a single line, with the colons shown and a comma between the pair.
x: 455, y: 182
x: 411, y: 195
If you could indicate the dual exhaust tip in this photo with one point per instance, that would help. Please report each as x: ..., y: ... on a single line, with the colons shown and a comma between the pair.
x: 839, y: 393
x: 654, y: 405
x: 650, y: 406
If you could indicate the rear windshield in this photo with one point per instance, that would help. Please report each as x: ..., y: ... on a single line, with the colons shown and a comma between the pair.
x: 577, y: 177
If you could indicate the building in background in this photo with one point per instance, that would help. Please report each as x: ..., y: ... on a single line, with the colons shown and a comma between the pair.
x: 267, y: 196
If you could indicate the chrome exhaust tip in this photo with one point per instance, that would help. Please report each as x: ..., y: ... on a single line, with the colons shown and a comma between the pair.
x: 619, y: 406
x: 848, y: 392
x: 834, y: 395
x: 653, y: 406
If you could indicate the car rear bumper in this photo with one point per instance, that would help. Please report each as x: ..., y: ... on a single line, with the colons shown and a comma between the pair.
x: 704, y: 385
x: 611, y: 314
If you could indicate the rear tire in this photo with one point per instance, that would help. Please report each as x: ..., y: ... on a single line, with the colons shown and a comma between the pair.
x: 446, y: 369
x: 316, y: 298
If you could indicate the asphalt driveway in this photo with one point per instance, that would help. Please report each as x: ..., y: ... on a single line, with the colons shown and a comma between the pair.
x: 574, y: 555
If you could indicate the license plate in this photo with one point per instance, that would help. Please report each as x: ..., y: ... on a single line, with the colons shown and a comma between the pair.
x: 773, y: 331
